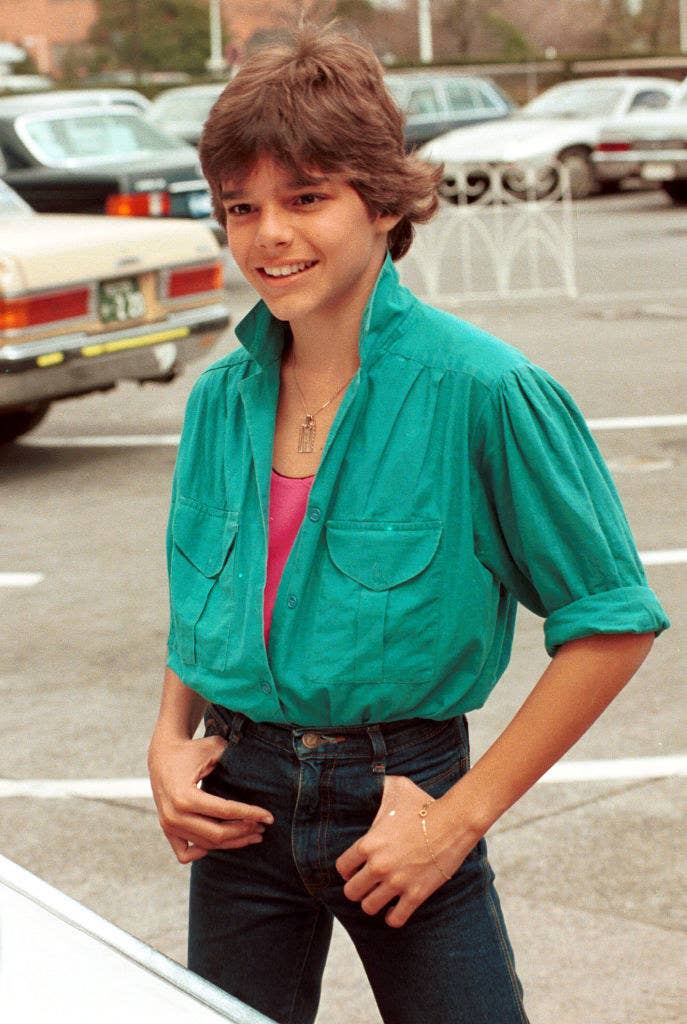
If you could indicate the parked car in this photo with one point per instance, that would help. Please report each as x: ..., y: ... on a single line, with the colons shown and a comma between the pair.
x: 98, y: 159
x: 24, y: 83
x: 649, y: 146
x: 436, y: 103
x: 181, y: 112
x: 562, y: 124
x: 58, y: 98
x: 86, y: 302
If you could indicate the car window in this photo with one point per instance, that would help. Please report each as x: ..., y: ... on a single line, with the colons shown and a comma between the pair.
x: 461, y: 96
x: 487, y: 98
x: 55, y: 140
x: 397, y: 90
x: 422, y: 101
x: 650, y: 99
x: 576, y: 100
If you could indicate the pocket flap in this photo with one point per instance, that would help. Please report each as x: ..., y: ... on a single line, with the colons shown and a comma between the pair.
x: 204, y: 535
x: 382, y: 555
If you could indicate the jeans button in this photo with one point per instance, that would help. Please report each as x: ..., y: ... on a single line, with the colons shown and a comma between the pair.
x: 310, y: 740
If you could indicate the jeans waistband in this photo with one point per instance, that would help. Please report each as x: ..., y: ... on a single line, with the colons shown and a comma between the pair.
x: 352, y: 741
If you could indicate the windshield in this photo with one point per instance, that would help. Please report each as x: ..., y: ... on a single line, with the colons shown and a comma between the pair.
x: 193, y: 107
x: 576, y: 100
x: 57, y: 139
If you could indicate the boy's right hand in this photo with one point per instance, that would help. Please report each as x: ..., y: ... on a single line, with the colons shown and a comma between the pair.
x: 194, y: 821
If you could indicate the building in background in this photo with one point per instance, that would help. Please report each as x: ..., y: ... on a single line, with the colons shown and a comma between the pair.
x: 46, y: 29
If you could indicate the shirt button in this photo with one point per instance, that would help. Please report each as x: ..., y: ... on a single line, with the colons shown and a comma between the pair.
x: 265, y: 687
x: 315, y: 514
x: 291, y: 601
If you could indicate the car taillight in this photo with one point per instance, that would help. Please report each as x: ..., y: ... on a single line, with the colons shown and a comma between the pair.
x: 192, y: 280
x: 613, y: 147
x: 34, y: 310
x: 138, y: 204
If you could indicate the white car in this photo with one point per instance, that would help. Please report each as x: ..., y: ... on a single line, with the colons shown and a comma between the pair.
x: 182, y: 112
x: 562, y: 124
x: 648, y: 146
x: 86, y: 302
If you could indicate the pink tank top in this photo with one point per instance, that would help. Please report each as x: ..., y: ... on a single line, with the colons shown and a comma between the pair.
x: 288, y: 502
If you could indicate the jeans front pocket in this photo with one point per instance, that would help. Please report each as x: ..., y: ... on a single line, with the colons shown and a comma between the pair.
x: 201, y: 581
x: 379, y: 600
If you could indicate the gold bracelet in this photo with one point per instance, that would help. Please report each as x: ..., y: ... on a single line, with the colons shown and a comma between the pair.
x: 423, y: 821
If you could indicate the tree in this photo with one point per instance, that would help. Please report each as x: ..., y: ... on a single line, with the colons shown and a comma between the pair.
x: 151, y: 35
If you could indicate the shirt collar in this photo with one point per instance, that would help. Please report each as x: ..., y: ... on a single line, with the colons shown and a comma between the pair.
x: 264, y: 336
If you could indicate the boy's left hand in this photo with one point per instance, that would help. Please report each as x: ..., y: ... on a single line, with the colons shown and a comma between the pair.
x: 392, y: 860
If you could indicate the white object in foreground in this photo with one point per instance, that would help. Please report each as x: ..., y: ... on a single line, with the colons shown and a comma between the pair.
x: 61, y: 961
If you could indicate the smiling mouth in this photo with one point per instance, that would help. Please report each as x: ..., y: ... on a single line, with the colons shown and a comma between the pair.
x: 288, y: 270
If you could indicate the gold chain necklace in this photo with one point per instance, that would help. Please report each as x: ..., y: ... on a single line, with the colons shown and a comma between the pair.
x: 307, y: 429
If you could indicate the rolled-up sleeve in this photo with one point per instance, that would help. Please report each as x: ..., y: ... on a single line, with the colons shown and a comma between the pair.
x: 551, y: 526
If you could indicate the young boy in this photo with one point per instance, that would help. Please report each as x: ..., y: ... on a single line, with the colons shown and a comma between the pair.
x: 363, y: 493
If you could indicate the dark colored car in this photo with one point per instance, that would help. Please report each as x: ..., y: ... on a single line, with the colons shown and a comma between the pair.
x: 97, y: 160
x: 436, y: 103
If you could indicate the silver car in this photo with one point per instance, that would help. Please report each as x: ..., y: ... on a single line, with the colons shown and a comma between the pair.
x: 648, y: 147
x: 182, y: 112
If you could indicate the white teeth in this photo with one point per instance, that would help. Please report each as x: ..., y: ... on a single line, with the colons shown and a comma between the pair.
x: 285, y: 271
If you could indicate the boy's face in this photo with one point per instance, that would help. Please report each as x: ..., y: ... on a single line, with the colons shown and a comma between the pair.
x: 309, y: 247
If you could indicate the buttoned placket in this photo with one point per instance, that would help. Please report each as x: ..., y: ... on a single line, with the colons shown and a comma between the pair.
x: 289, y: 591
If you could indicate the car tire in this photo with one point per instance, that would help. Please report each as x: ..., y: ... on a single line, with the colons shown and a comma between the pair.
x: 15, y: 422
x: 677, y: 190
x: 583, y: 181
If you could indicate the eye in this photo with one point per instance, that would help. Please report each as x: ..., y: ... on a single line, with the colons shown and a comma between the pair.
x: 239, y: 210
x: 308, y: 199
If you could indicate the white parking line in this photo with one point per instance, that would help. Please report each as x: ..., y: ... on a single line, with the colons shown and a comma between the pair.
x: 103, y: 441
x: 678, y: 556
x: 624, y: 768
x: 638, y: 422
x: 171, y: 440
x: 20, y: 579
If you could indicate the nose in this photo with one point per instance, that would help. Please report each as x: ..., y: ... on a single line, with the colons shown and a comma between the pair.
x: 274, y: 228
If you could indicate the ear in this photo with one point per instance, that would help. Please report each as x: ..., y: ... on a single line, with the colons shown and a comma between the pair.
x: 386, y: 222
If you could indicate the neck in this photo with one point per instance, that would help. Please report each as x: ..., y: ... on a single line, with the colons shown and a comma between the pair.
x: 326, y: 343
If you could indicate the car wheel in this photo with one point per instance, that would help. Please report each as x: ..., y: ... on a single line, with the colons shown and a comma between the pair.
x: 677, y: 190
x: 581, y: 172
x: 15, y: 422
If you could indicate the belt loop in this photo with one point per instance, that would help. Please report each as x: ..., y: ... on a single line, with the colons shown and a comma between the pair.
x: 378, y: 749
x: 237, y: 723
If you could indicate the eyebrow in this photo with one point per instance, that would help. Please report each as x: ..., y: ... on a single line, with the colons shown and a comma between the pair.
x: 302, y: 181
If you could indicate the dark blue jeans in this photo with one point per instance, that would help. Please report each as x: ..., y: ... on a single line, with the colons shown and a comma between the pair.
x: 261, y: 917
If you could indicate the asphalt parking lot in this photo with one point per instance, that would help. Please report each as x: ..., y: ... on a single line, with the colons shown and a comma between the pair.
x: 591, y: 870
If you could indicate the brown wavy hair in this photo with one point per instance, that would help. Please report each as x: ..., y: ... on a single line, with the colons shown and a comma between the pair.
x: 317, y: 102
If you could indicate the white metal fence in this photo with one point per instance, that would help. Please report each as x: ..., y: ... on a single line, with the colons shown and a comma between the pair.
x: 500, y: 232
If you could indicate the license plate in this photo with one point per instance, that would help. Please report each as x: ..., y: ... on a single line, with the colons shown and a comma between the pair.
x: 120, y: 300
x: 658, y: 172
x: 199, y: 204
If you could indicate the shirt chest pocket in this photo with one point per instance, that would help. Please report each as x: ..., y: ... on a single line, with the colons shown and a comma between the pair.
x: 201, y: 576
x: 379, y: 600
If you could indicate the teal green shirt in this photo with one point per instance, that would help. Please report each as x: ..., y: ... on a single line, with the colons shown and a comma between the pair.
x: 458, y: 479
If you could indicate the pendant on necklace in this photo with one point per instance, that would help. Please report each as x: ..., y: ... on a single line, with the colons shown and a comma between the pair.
x: 306, y: 435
